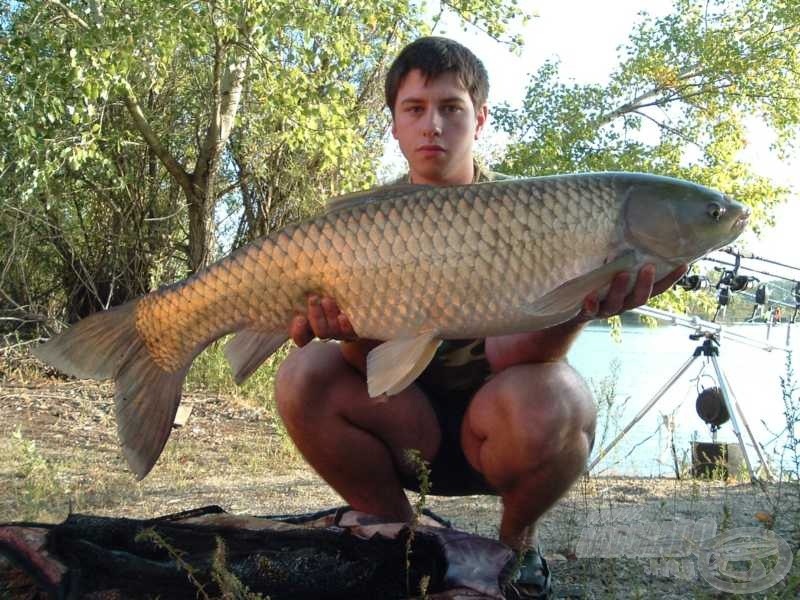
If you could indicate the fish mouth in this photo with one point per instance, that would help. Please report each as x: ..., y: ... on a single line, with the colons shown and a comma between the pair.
x: 741, y: 215
x: 740, y: 222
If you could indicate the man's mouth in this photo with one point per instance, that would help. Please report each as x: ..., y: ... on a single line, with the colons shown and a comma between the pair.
x: 430, y: 149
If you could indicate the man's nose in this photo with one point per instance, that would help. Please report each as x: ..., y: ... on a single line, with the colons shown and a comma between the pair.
x: 432, y: 123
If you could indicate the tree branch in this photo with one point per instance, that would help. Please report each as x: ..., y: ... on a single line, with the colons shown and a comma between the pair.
x: 228, y: 85
x: 68, y: 12
x: 174, y: 168
x: 666, y: 127
x: 643, y: 100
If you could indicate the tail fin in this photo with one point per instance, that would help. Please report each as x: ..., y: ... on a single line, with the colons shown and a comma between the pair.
x: 107, y: 345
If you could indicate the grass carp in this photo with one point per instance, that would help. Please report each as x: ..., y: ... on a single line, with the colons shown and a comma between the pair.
x: 411, y: 265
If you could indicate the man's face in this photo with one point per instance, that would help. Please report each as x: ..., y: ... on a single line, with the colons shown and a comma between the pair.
x: 436, y: 124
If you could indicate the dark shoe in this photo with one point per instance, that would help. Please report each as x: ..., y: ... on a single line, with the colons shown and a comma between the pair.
x: 532, y: 580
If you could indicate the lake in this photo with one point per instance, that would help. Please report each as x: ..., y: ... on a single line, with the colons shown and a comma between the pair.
x: 648, y: 357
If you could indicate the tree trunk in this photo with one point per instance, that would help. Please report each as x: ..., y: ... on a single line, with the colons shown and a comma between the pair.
x: 200, y: 230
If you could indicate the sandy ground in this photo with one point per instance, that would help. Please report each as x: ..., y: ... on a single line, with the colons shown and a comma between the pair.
x: 608, y: 538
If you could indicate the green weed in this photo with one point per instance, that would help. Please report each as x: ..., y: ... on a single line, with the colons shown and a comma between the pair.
x: 35, y: 486
x: 210, y: 372
x: 610, y: 407
x: 423, y: 470
x: 230, y: 587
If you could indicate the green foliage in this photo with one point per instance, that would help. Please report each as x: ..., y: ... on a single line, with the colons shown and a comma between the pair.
x: 140, y: 139
x: 230, y: 586
x: 422, y: 470
x: 791, y: 413
x: 35, y: 485
x: 210, y: 372
x: 678, y: 104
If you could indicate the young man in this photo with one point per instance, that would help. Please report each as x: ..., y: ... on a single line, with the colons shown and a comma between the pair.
x: 505, y: 416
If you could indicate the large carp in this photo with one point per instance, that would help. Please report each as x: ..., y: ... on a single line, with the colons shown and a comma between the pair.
x: 411, y: 265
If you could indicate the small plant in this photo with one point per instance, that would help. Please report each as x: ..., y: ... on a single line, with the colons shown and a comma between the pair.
x: 791, y: 449
x: 152, y: 536
x: 228, y: 583
x: 230, y: 587
x: 36, y: 486
x: 210, y: 372
x: 610, y: 408
x: 423, y: 471
x: 727, y: 517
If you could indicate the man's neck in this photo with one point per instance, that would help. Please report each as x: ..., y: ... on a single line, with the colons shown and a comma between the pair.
x: 463, y: 176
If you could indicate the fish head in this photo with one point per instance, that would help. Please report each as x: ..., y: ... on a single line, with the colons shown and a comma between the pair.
x: 677, y: 220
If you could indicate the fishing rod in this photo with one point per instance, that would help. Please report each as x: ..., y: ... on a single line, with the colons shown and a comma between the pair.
x: 750, y: 256
x: 736, y: 267
x: 731, y: 281
x: 703, y: 327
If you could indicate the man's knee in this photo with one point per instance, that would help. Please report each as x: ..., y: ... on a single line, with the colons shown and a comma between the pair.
x: 544, y: 409
x: 303, y: 378
x: 560, y: 399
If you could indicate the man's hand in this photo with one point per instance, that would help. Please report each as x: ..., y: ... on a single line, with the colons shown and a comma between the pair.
x: 618, y: 300
x: 323, y: 320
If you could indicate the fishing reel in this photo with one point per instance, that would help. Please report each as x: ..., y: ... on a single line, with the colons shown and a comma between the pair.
x: 760, y: 300
x: 693, y: 283
x: 731, y: 279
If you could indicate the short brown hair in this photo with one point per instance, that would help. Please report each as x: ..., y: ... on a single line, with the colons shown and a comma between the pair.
x: 435, y: 56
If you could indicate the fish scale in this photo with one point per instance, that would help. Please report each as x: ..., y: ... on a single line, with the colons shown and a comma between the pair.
x: 411, y: 265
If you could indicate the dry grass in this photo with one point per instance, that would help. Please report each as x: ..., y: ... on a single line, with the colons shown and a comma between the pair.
x: 59, y: 453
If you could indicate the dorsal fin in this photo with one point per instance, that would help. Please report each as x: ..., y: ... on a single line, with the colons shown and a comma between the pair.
x: 375, y: 195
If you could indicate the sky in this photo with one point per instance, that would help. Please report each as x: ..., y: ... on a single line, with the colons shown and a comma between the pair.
x: 585, y: 35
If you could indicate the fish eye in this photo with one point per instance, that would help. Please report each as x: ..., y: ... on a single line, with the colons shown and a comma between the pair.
x: 715, y: 211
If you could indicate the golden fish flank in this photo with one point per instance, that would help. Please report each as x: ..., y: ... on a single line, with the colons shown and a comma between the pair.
x: 411, y: 265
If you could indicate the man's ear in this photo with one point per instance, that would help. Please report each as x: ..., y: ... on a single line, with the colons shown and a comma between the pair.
x: 394, y: 128
x: 481, y: 117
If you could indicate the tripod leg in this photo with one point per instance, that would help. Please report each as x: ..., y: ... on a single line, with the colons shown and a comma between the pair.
x: 728, y: 393
x: 602, y: 453
x: 723, y: 384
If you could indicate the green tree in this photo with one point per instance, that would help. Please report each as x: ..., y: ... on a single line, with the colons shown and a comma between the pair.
x: 141, y: 138
x: 678, y: 104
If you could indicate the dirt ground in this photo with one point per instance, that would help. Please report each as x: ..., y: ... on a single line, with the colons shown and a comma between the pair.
x: 608, y: 538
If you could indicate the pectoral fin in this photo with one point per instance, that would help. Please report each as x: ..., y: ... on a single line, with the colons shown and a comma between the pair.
x: 566, y: 300
x: 394, y: 365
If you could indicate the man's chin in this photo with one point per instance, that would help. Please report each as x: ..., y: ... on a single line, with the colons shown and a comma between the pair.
x: 431, y: 170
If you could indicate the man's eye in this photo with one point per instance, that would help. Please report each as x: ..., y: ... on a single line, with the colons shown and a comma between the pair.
x: 452, y: 108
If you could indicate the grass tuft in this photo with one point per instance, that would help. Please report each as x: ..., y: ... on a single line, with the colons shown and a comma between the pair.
x: 210, y: 372
x: 35, y: 487
x: 422, y: 469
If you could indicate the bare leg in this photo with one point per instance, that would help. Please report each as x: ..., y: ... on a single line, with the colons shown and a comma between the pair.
x: 353, y: 441
x: 528, y: 431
